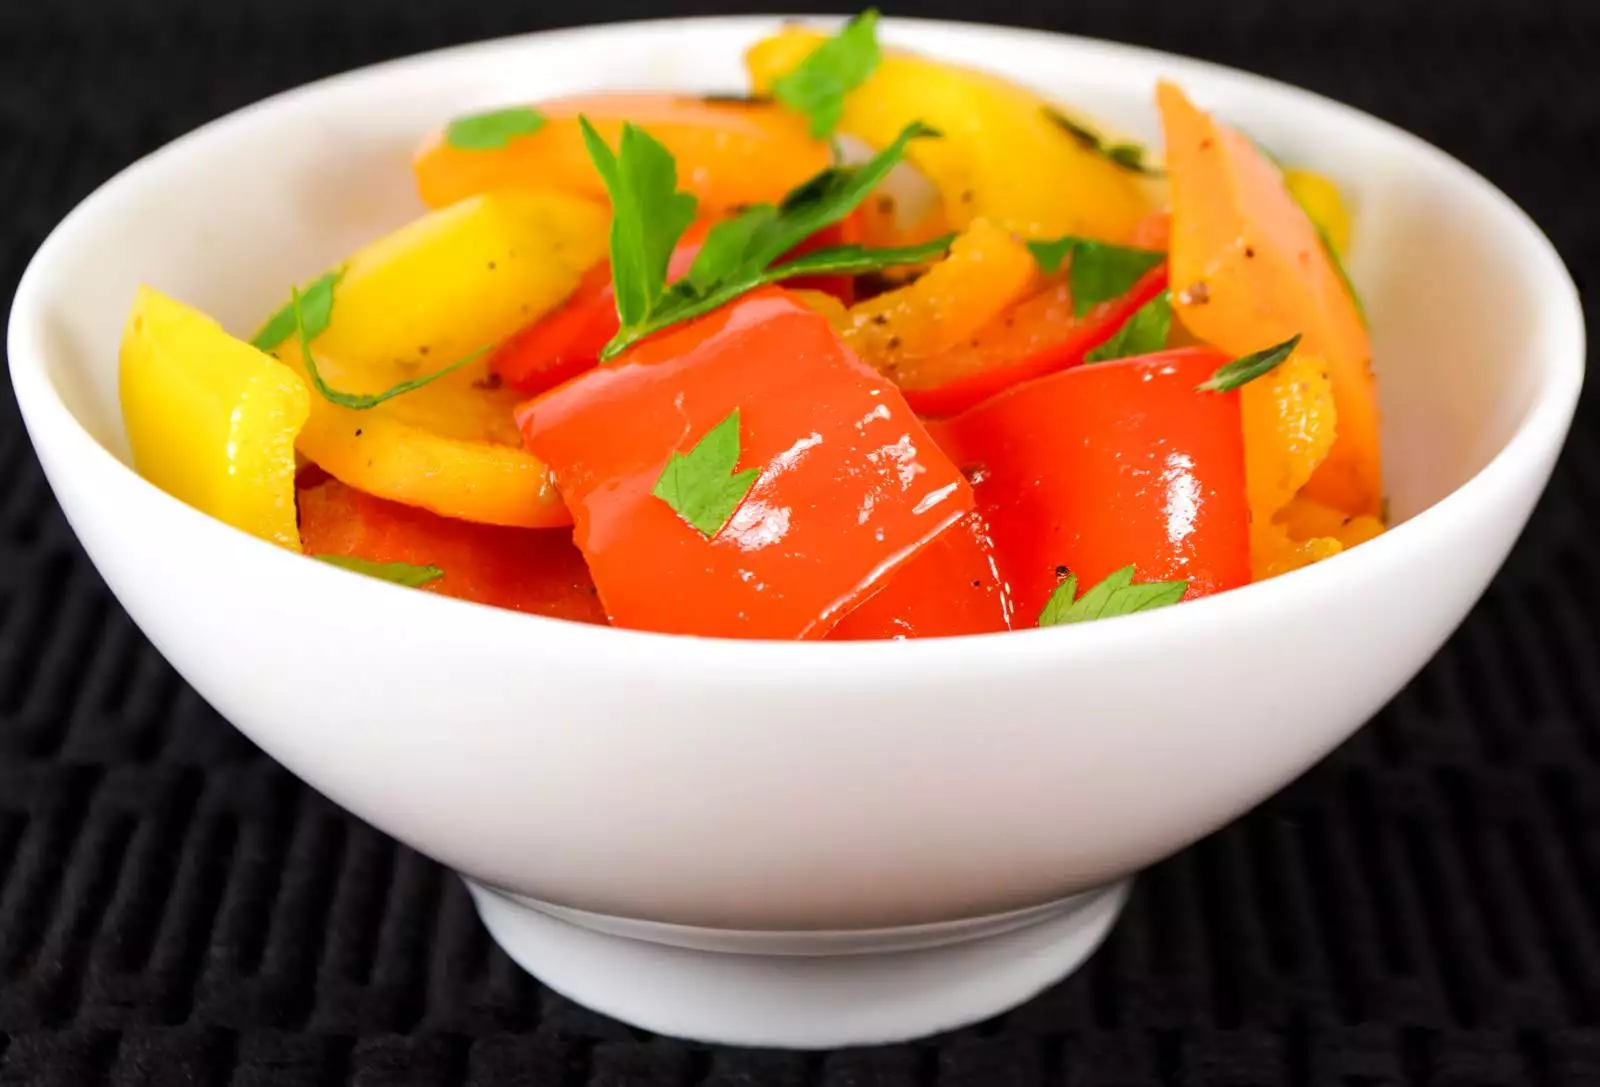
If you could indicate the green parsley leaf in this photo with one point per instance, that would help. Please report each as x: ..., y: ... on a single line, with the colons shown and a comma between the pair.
x: 817, y: 85
x: 855, y: 260
x: 401, y: 573
x: 360, y: 401
x: 1338, y: 267
x: 1099, y: 271
x: 1142, y: 334
x: 738, y: 254
x: 1116, y: 595
x: 701, y: 485
x: 1049, y: 256
x: 734, y: 98
x: 492, y: 130
x: 1088, y: 139
x: 1130, y: 156
x: 1127, y: 156
x: 725, y: 247
x: 829, y: 196
x: 1243, y: 370
x: 649, y: 215
x: 316, y: 303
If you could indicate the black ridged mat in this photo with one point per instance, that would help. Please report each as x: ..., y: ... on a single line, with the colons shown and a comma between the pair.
x: 1422, y: 908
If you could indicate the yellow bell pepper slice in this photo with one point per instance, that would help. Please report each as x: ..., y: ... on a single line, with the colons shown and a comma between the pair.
x: 456, y: 280
x: 211, y: 420
x: 1290, y: 421
x: 1273, y: 551
x: 1001, y: 157
x: 1323, y: 203
x: 1306, y: 520
x: 459, y: 279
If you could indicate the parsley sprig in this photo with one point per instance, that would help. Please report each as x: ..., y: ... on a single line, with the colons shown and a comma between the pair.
x: 304, y: 333
x: 740, y: 254
x: 492, y: 130
x: 316, y: 305
x: 701, y: 485
x: 1245, y: 369
x: 1117, y: 595
x: 1128, y: 156
x: 1144, y: 333
x: 817, y: 85
x: 1099, y: 271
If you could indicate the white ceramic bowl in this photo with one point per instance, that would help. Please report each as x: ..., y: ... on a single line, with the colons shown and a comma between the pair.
x: 794, y: 844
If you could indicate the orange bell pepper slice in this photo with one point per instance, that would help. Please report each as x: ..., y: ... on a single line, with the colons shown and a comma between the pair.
x: 1248, y: 270
x: 850, y: 485
x: 728, y: 152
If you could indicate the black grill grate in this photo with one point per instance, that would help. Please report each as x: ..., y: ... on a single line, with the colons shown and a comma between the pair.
x: 1422, y: 909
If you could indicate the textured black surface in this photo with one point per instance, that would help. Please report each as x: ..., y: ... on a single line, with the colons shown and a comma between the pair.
x: 1423, y: 908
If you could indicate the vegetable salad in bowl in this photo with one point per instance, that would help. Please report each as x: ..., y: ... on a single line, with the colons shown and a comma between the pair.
x: 882, y: 348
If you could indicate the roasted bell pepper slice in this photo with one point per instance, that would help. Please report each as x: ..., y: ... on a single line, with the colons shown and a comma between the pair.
x: 850, y: 486
x: 1273, y: 551
x: 1289, y: 423
x: 1306, y: 532
x: 210, y: 419
x: 887, y: 223
x: 447, y: 284
x: 567, y: 342
x: 538, y: 571
x: 950, y: 587
x: 458, y: 280
x: 1248, y: 269
x: 1092, y: 469
x: 728, y: 152
x: 1002, y: 156
x: 986, y: 271
x: 1040, y: 335
x: 1324, y: 205
x: 1307, y: 520
x: 564, y: 343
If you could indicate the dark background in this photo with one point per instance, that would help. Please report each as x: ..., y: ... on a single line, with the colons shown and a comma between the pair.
x: 1423, y: 908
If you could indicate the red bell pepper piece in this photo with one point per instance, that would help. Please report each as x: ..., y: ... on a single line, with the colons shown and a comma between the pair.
x: 950, y: 587
x: 1039, y: 335
x: 850, y: 484
x: 566, y: 342
x: 1108, y: 464
x: 534, y: 570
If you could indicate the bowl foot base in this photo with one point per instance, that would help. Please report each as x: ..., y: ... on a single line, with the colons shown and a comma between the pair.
x: 805, y: 991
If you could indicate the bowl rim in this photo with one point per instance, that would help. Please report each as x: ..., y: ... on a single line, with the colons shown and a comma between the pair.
x: 1537, y: 435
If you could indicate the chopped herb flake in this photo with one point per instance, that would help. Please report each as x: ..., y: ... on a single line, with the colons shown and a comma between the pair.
x: 701, y: 485
x: 1117, y: 595
x: 492, y: 130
